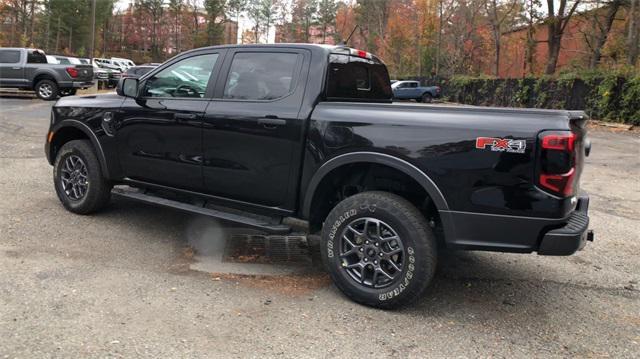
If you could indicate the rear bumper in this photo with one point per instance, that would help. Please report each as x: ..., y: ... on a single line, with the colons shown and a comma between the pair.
x: 76, y: 84
x: 571, y: 237
x: 517, y: 234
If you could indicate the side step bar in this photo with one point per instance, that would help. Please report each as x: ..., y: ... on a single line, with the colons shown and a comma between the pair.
x: 186, y: 207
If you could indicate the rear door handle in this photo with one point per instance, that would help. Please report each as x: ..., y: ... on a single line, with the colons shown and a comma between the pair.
x: 271, y: 121
x: 185, y: 116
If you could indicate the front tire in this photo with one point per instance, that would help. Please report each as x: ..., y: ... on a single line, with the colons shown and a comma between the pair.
x: 47, y: 90
x: 78, y: 179
x: 379, y: 249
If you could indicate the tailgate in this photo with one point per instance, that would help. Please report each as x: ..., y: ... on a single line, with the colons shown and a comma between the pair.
x: 85, y: 73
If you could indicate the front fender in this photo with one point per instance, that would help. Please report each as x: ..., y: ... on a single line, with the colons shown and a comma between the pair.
x: 84, y: 128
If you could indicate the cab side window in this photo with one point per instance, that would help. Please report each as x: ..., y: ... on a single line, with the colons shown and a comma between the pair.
x: 36, y: 57
x: 187, y: 78
x: 261, y: 76
x: 9, y: 56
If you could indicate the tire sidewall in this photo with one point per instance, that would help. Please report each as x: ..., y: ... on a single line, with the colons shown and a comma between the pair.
x: 419, y: 263
x: 427, y: 98
x: 55, y: 91
x: 93, y: 176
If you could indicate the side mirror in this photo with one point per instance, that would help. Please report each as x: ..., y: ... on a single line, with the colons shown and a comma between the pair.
x: 127, y: 87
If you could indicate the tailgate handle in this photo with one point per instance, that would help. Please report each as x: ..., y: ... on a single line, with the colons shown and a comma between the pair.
x: 185, y: 116
x: 271, y: 121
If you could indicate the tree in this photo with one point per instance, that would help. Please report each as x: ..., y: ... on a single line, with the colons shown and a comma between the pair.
x: 269, y: 10
x: 175, y: 6
x: 304, y: 15
x: 373, y: 17
x: 235, y: 8
x: 327, y: 16
x: 556, y: 24
x: 633, y: 37
x: 215, y: 17
x: 155, y: 10
x: 531, y: 16
x: 195, y: 17
x: 254, y: 12
x: 497, y: 13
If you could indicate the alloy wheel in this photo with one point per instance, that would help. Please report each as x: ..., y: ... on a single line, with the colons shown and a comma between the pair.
x: 45, y: 90
x: 74, y: 178
x: 371, y: 253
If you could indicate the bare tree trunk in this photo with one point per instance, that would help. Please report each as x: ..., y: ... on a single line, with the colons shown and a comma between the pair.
x: 58, y: 35
x: 603, y: 32
x: 633, y: 36
x: 556, y: 26
x: 32, y: 17
x: 439, y: 46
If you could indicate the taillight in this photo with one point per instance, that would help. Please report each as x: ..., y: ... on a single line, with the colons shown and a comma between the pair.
x: 360, y: 53
x: 557, y: 172
x: 437, y: 89
x: 72, y: 72
x: 561, y: 142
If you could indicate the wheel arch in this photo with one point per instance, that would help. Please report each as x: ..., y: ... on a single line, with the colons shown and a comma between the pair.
x: 69, y: 130
x: 43, y: 76
x: 330, y: 167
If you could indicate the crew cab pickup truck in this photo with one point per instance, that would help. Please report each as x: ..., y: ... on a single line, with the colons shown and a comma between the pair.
x: 28, y: 69
x: 305, y: 138
x: 411, y: 90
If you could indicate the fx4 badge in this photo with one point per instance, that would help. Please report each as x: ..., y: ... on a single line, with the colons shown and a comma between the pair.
x: 501, y: 144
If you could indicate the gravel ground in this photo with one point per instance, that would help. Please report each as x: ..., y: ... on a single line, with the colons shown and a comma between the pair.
x: 118, y: 284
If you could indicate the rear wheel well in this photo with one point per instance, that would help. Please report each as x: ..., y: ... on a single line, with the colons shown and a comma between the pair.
x: 63, y: 136
x: 43, y: 77
x: 350, y: 179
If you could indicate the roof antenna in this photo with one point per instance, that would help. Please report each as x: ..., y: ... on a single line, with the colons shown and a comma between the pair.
x: 344, y: 42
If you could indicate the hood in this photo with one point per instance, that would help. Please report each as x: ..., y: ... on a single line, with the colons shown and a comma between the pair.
x: 110, y: 99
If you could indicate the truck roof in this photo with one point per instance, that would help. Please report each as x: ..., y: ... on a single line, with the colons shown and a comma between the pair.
x: 312, y: 47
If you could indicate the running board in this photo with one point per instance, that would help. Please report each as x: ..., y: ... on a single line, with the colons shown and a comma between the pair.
x: 245, y: 221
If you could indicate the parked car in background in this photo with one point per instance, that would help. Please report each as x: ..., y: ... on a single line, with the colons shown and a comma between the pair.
x: 52, y: 59
x: 411, y: 90
x: 125, y: 62
x: 98, y: 73
x: 30, y: 69
x: 113, y: 71
x: 137, y: 71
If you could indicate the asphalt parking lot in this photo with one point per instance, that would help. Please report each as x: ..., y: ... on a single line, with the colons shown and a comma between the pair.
x: 120, y: 283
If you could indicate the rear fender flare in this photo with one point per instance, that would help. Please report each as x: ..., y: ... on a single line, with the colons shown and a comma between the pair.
x: 378, y: 158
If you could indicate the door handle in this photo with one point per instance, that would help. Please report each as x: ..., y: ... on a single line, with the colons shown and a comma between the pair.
x: 271, y: 121
x: 185, y: 116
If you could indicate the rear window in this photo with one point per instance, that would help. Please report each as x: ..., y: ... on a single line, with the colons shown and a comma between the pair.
x: 352, y: 78
x: 9, y: 56
x: 261, y: 75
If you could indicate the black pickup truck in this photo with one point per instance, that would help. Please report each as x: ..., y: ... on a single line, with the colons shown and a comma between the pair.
x: 305, y: 138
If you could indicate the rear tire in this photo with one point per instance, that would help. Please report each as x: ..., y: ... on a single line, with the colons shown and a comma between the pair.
x: 46, y: 90
x: 427, y: 98
x: 389, y: 255
x: 78, y: 180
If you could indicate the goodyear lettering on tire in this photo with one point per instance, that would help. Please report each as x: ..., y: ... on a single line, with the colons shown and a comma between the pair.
x: 334, y: 228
